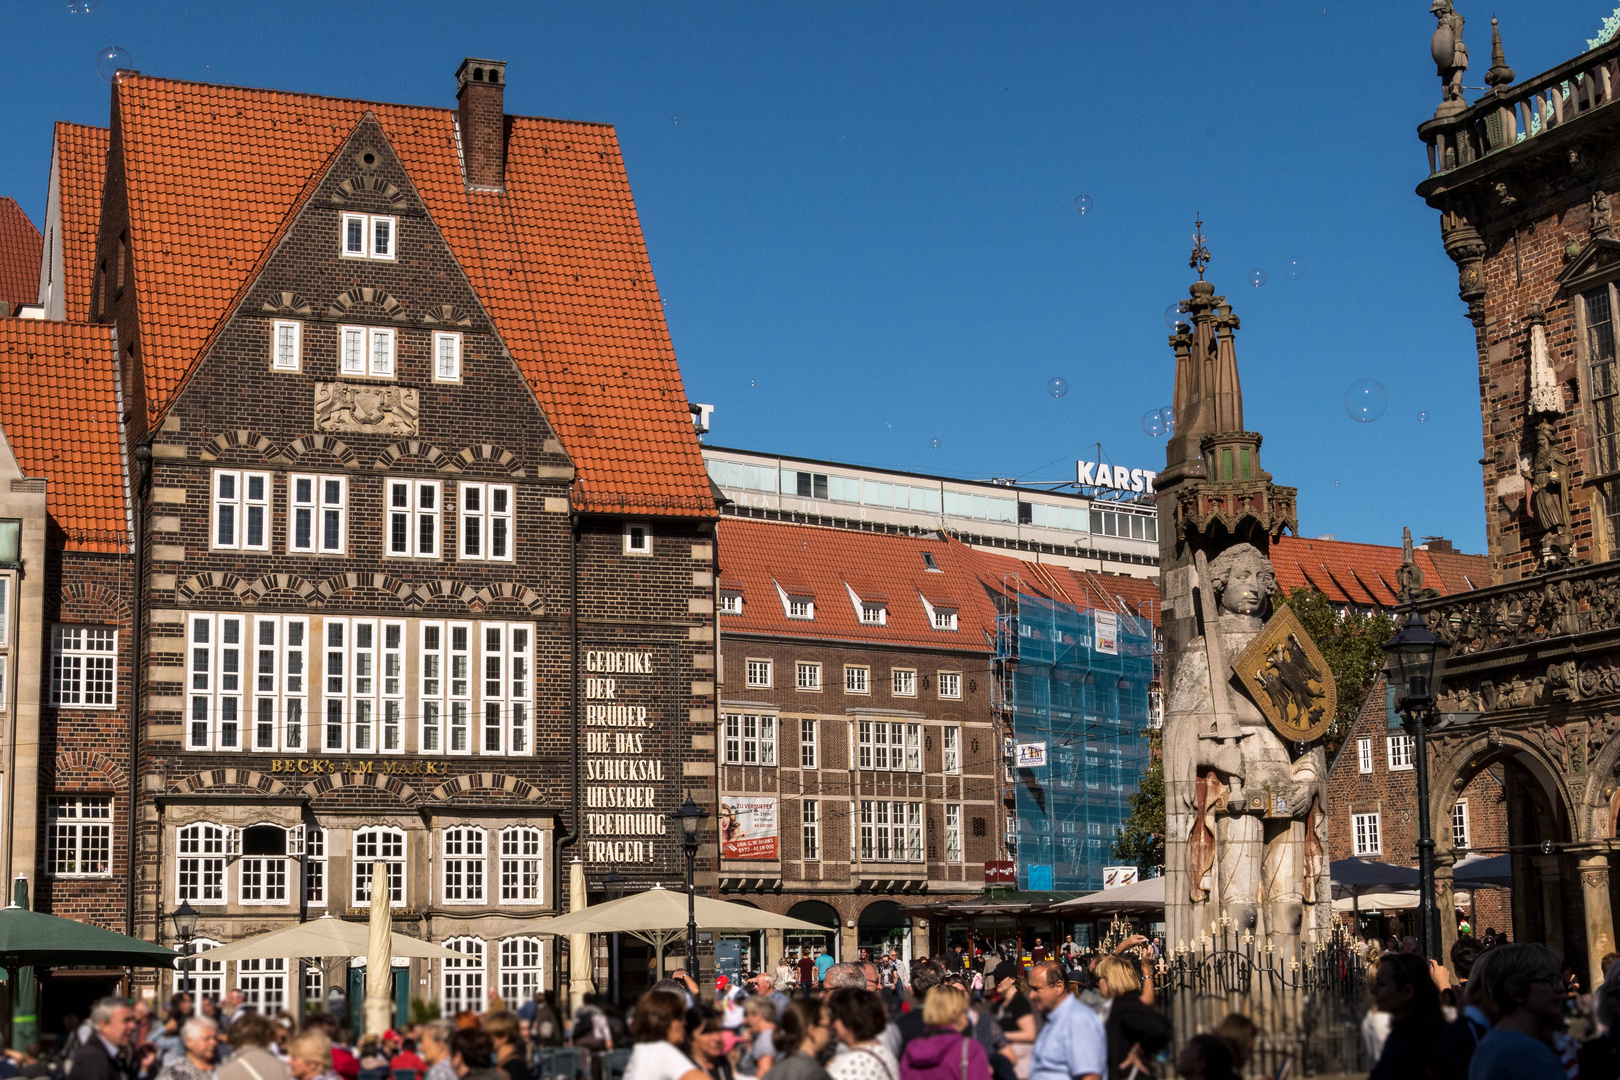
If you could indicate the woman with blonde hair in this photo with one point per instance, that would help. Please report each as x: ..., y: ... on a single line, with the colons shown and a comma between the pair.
x: 1136, y: 1030
x: 944, y: 1051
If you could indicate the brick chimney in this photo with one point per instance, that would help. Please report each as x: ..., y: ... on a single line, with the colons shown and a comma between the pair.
x: 480, y: 99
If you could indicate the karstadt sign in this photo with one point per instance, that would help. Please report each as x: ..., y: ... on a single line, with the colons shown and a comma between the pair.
x: 1118, y: 477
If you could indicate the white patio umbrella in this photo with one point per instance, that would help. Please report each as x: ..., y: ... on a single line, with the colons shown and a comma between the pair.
x: 323, y: 937
x: 379, y: 954
x: 658, y: 916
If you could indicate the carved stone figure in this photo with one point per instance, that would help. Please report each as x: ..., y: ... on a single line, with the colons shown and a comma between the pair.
x: 1256, y: 825
x: 381, y: 409
x: 1447, y: 48
x: 1546, y: 396
x: 1410, y: 575
x: 1602, y: 216
x: 1550, y: 483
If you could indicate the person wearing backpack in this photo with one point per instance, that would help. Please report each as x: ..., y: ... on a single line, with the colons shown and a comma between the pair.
x: 945, y: 1051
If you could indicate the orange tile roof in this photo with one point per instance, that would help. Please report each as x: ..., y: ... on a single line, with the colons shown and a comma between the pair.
x: 59, y: 409
x: 1364, y: 574
x: 20, y: 247
x: 558, y: 259
x: 1083, y: 589
x: 81, y: 161
x: 754, y: 555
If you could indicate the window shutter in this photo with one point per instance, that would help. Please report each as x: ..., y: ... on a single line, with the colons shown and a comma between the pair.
x: 295, y: 841
x: 233, y: 841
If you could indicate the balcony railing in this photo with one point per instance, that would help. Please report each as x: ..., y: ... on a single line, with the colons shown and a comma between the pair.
x: 1510, y: 115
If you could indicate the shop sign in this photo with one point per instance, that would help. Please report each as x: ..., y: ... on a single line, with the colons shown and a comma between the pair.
x: 1032, y: 755
x: 310, y: 766
x: 998, y: 872
x: 1116, y: 876
x: 747, y: 828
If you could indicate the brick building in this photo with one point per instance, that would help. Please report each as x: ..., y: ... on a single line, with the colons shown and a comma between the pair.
x: 425, y: 567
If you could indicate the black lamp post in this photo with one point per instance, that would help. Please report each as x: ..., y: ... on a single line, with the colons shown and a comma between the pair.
x: 613, y: 885
x: 1416, y: 664
x: 184, y: 918
x: 691, y: 818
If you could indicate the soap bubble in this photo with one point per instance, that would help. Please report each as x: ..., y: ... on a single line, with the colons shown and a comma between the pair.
x: 1173, y: 315
x: 110, y: 59
x: 935, y: 442
x: 1082, y: 204
x: 1257, y: 277
x: 1167, y: 417
x: 750, y: 384
x: 675, y: 121
x: 82, y: 7
x: 1153, y: 423
x: 1335, y: 483
x: 1057, y: 386
x: 1423, y: 417
x: 1366, y: 400
x: 1296, y: 269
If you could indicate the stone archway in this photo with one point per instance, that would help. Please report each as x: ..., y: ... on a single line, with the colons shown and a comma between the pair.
x: 821, y: 914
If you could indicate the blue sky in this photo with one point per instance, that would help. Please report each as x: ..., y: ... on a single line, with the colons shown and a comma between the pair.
x: 862, y: 216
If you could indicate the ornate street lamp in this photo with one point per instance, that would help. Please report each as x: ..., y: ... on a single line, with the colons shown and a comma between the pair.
x: 691, y: 818
x: 184, y: 918
x: 1416, y: 664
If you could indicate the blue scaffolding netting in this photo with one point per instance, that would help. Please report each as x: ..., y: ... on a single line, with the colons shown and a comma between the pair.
x: 1076, y: 683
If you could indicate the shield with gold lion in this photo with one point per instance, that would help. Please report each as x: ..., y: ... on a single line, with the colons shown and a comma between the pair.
x: 1288, y: 679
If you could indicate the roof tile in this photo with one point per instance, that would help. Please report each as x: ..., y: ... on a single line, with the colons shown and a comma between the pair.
x: 20, y: 248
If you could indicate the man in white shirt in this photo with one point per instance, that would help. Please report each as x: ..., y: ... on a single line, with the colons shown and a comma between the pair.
x: 1073, y: 1045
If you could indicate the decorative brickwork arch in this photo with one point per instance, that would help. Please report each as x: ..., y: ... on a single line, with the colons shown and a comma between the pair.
x: 502, y: 457
x: 297, y: 588
x: 1458, y: 763
x: 467, y: 782
x: 87, y: 770
x: 320, y: 444
x: 218, y: 778
x: 346, y: 190
x: 194, y: 590
x: 288, y: 303
x: 490, y: 595
x: 426, y: 453
x: 88, y: 602
x: 345, y: 303
x: 346, y: 584
x: 377, y: 781
x: 446, y: 315
x: 240, y: 439
x: 449, y: 591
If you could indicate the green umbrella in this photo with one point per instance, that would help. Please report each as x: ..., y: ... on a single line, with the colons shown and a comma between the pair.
x: 32, y: 939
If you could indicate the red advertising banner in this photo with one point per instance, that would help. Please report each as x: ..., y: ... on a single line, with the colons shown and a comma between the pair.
x: 747, y: 828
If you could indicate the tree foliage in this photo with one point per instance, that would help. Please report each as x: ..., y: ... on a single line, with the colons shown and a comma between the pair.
x: 1140, y: 842
x: 1351, y: 645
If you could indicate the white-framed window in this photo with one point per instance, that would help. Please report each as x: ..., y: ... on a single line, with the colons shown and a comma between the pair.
x: 200, y: 864
x: 521, y: 865
x: 462, y: 988
x: 379, y: 844
x: 413, y: 518
x: 367, y: 351
x: 286, y: 352
x: 801, y: 607
x: 486, y: 522
x: 950, y: 741
x: 874, y: 613
x: 759, y: 674
x: 1364, y: 828
x: 891, y: 831
x: 84, y: 667
x: 263, y: 984
x: 464, y: 864
x: 944, y: 618
x: 731, y: 603
x: 459, y: 638
x: 808, y: 676
x: 810, y: 829
x: 1459, y: 824
x: 214, y: 681
x: 913, y: 761
x: 241, y: 504
x: 79, y: 836
x: 750, y: 739
x: 953, y: 833
x: 904, y: 682
x: 201, y: 978
x: 369, y: 236
x: 1364, y: 755
x: 314, y: 981
x: 637, y: 540
x: 506, y: 690
x: 319, y: 514
x: 950, y: 685
x: 889, y: 747
x: 1400, y: 752
x: 856, y: 679
x: 446, y: 357
x: 430, y: 738
x: 315, y: 878
x: 262, y: 880
x: 807, y: 744
x: 522, y: 964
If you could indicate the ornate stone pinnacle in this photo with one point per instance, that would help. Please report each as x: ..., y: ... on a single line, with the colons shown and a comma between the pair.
x: 1200, y: 253
x: 1500, y: 74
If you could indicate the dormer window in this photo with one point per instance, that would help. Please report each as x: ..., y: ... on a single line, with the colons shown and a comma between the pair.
x: 731, y: 603
x: 944, y: 618
x: 801, y: 607
x: 929, y: 564
x: 369, y: 236
x: 874, y: 614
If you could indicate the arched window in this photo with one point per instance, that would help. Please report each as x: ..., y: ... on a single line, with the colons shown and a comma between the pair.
x: 521, y: 966
x: 262, y: 873
x: 200, y: 864
x: 464, y: 865
x: 201, y: 978
x: 520, y: 866
x: 379, y: 844
x: 462, y: 988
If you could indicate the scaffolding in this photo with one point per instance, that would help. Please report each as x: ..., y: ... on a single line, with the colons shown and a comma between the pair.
x: 1074, y: 690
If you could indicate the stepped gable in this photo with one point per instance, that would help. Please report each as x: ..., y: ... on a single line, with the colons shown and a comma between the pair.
x: 81, y: 162
x: 827, y: 562
x: 556, y: 255
x: 20, y: 248
x: 59, y: 409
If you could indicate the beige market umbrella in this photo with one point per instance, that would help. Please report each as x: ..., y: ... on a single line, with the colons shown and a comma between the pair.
x: 325, y: 936
x: 379, y: 954
x: 658, y: 916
